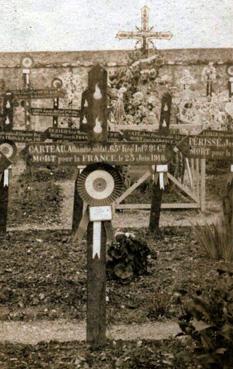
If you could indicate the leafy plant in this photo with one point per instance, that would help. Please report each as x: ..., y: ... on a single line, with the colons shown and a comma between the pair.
x: 208, y: 319
x: 127, y: 257
x: 216, y: 239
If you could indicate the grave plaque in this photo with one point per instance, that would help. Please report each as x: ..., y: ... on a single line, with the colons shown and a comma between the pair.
x: 65, y: 134
x: 83, y: 154
x: 46, y: 93
x: 21, y: 136
x: 208, y: 147
x: 215, y: 133
x: 50, y: 112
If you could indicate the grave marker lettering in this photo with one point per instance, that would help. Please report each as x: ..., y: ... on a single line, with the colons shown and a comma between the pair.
x: 73, y: 154
x: 56, y: 112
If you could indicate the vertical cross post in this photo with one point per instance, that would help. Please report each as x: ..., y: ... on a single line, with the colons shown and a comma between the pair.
x: 56, y: 83
x: 84, y: 110
x: 96, y: 285
x: 26, y: 64
x: 203, y: 185
x: 230, y: 87
x: 97, y: 105
x: 228, y: 205
x: 27, y: 101
x: 8, y: 112
x: 96, y: 114
x: 55, y: 106
x: 157, y: 190
x: 4, y: 186
x: 165, y: 115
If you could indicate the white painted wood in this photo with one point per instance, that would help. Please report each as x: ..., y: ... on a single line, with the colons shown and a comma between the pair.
x: 197, y: 175
x: 203, y: 185
x: 162, y: 168
x: 161, y: 181
x: 6, y: 178
x: 96, y: 240
x: 194, y: 196
x: 189, y: 172
x: 179, y: 205
x: 133, y: 187
x: 182, y: 187
x: 100, y: 213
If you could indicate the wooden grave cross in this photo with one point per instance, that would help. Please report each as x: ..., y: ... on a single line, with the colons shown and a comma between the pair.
x: 27, y: 94
x: 145, y: 34
x: 55, y: 112
x: 99, y: 183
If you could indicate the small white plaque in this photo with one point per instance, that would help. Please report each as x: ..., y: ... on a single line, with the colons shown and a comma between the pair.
x: 100, y: 213
x: 231, y: 168
x: 161, y: 168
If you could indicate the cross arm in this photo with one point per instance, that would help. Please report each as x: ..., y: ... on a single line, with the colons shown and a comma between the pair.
x: 160, y: 35
x: 128, y: 35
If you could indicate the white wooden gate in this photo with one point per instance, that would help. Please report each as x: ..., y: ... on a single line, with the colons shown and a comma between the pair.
x: 195, y: 190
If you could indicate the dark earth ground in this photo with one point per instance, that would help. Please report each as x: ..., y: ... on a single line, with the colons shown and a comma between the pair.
x: 43, y: 276
x: 116, y: 355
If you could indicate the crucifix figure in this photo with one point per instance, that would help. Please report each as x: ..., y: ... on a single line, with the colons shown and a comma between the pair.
x: 144, y: 34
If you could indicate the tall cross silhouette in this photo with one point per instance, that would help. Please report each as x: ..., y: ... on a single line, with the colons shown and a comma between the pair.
x: 144, y: 34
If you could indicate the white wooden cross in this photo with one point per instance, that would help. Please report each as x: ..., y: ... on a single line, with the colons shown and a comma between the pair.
x: 144, y: 35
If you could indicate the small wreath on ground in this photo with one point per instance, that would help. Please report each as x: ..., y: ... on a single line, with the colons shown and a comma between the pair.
x: 127, y: 257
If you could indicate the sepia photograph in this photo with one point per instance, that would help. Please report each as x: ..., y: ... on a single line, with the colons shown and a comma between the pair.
x: 116, y: 184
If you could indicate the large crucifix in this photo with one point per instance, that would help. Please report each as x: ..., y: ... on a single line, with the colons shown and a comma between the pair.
x: 144, y: 34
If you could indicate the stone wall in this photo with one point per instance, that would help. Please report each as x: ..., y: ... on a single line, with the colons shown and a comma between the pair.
x: 72, y: 68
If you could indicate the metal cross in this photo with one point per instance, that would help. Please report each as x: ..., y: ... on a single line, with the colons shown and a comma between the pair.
x: 144, y: 35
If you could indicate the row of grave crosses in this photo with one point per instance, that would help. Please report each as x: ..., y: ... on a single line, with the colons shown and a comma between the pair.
x: 27, y: 93
x: 99, y: 184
